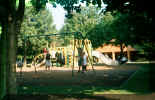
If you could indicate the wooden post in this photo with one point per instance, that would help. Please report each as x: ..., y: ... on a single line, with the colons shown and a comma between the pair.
x: 113, y: 56
x: 128, y: 55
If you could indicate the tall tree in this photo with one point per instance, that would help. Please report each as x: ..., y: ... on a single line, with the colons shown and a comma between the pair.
x: 10, y: 19
x: 141, y: 20
x: 12, y: 12
x: 33, y: 24
x: 82, y: 22
x: 101, y: 33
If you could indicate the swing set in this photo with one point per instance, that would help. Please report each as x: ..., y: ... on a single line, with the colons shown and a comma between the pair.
x: 77, y: 41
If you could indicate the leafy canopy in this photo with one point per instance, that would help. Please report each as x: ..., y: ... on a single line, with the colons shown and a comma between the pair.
x: 82, y: 22
x: 33, y: 24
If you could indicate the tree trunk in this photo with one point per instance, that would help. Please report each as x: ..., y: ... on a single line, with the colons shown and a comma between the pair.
x: 3, y: 61
x: 8, y: 59
x: 10, y: 27
x: 8, y: 56
x: 11, y: 67
x: 121, y: 48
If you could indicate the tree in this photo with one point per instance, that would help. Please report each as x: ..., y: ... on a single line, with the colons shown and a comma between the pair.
x: 33, y: 24
x: 141, y: 16
x: 10, y: 20
x: 130, y: 6
x: 133, y: 23
x: 101, y: 33
x: 124, y: 28
x: 143, y: 25
x: 82, y: 22
x: 11, y: 17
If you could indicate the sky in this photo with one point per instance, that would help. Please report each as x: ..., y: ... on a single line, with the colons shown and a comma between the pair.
x: 58, y: 14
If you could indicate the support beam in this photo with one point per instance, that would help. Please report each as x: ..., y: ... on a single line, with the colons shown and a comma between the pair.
x: 128, y: 55
x: 113, y: 56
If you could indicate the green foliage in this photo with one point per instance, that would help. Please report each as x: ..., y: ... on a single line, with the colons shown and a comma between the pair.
x: 94, y: 2
x: 33, y: 24
x: 101, y: 33
x: 82, y: 22
x: 134, y: 30
x: 126, y: 29
x: 130, y: 6
x: 139, y: 21
x: 39, y: 4
x: 122, y: 30
x: 68, y: 5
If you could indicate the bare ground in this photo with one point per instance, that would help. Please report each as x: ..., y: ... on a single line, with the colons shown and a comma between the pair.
x: 103, y: 75
x: 62, y: 76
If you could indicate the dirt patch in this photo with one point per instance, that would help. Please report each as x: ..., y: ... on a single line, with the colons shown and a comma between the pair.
x: 62, y: 76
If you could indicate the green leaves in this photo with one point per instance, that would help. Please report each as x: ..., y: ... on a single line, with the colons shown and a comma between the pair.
x: 33, y: 24
x: 82, y: 22
x: 39, y: 4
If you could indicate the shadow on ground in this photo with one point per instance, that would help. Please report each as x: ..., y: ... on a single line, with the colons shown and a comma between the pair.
x: 59, y: 97
x: 80, y: 97
x: 113, y: 80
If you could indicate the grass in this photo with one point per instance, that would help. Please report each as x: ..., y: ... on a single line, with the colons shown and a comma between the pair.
x: 139, y: 81
x: 87, y: 90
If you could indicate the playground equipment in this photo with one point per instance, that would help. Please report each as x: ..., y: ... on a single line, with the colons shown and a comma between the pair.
x: 69, y: 51
x: 38, y: 60
x: 104, y: 58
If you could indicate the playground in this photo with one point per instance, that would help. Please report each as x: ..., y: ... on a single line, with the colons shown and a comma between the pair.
x: 100, y: 77
x: 76, y: 50
x: 107, y: 76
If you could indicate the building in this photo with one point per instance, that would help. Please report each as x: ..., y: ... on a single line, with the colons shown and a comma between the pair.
x: 114, y: 51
